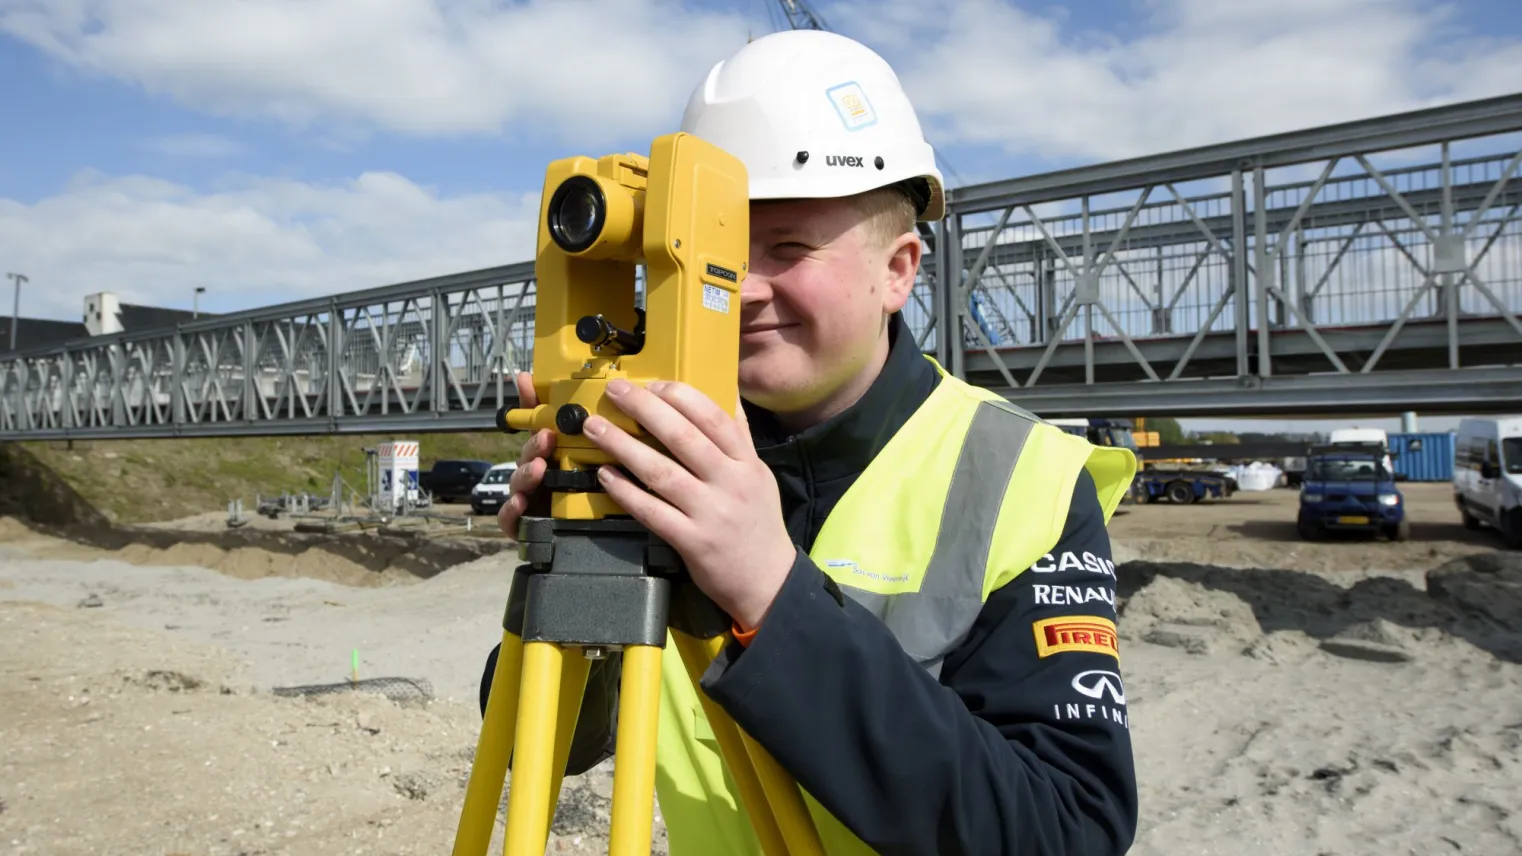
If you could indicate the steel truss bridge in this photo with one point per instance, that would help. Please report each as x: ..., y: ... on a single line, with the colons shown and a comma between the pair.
x: 1280, y: 275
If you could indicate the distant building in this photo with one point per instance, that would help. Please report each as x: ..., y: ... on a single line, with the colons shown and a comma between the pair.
x: 104, y: 314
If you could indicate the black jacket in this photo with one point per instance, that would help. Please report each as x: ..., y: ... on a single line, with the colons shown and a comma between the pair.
x: 1004, y: 753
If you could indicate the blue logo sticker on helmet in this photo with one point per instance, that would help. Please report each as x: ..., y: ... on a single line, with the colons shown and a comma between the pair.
x: 852, y: 105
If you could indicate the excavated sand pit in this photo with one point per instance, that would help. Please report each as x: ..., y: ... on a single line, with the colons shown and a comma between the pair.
x: 1342, y: 698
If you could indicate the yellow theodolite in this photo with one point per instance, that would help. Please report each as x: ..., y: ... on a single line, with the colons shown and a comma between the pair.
x: 594, y: 580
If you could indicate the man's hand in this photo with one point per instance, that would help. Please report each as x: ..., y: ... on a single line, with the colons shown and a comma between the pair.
x: 712, y: 499
x: 532, y: 462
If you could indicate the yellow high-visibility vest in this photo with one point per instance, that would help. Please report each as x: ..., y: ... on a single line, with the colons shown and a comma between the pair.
x: 968, y: 494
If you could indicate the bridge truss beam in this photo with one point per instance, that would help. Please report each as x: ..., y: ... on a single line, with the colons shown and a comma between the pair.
x: 1275, y: 273
x: 1284, y: 274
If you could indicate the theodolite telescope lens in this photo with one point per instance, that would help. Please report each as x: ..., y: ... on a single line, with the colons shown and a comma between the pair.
x: 577, y: 212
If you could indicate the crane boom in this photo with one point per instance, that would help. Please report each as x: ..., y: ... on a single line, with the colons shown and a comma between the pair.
x: 801, y: 17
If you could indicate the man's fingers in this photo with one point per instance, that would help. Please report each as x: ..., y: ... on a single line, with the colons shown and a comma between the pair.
x: 527, y: 476
x: 527, y: 397
x: 740, y: 414
x: 508, y: 514
x: 688, y: 441
x: 655, y: 513
x: 722, y: 430
x: 660, y: 473
x: 539, y: 445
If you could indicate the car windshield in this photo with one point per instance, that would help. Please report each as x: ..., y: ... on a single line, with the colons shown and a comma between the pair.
x: 498, y: 476
x: 1325, y: 469
x: 1122, y: 437
x: 1511, y: 455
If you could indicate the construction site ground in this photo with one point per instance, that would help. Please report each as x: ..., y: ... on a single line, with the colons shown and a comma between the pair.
x: 1350, y: 697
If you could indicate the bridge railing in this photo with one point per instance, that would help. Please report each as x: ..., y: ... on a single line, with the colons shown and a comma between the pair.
x: 445, y: 348
x: 1355, y: 251
x: 1368, y: 263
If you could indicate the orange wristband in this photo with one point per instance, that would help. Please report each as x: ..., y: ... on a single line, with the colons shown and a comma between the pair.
x: 743, y: 636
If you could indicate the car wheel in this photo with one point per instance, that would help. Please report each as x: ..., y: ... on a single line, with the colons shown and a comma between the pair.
x: 1309, y: 531
x: 1471, y: 522
x: 1511, y: 529
x: 1181, y: 492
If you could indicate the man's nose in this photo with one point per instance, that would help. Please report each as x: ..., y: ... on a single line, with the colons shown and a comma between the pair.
x: 757, y: 288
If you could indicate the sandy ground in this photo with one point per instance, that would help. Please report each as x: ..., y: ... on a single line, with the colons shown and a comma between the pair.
x: 1337, y: 698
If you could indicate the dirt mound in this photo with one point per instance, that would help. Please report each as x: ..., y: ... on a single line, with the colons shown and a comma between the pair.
x: 1208, y: 609
x: 1487, y: 585
x: 31, y: 490
x: 357, y: 559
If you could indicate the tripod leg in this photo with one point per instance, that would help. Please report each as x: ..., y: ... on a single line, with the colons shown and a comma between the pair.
x: 573, y: 686
x: 780, y: 795
x: 634, y: 768
x: 529, y: 808
x: 696, y: 657
x: 483, y: 793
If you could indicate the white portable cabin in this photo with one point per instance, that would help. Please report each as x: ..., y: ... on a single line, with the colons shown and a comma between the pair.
x: 398, y: 461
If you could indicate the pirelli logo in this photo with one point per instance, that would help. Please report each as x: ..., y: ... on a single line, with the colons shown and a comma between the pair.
x: 1076, y: 633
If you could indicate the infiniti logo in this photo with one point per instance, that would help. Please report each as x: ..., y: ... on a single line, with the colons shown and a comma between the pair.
x: 1097, y: 683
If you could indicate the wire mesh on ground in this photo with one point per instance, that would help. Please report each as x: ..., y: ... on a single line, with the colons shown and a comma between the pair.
x: 395, y: 689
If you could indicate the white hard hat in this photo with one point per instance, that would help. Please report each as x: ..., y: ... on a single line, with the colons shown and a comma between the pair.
x: 814, y: 114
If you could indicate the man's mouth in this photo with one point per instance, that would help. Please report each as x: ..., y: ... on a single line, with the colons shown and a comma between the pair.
x: 763, y: 328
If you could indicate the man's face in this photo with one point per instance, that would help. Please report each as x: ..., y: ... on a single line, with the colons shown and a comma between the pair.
x: 814, y: 303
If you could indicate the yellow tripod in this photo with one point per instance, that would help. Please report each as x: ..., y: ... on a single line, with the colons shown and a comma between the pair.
x: 593, y: 580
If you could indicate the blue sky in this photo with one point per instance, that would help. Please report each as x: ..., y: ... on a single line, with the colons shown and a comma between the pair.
x: 276, y: 150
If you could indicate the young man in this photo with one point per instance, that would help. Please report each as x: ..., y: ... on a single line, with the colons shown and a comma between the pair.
x: 918, y: 572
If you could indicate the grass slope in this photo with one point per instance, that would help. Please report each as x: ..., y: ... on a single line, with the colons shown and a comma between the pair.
x: 139, y: 481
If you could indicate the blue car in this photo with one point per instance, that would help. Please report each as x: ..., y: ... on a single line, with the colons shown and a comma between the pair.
x: 1349, y: 488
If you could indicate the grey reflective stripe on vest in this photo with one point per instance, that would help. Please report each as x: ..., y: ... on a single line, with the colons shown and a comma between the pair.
x: 930, y: 622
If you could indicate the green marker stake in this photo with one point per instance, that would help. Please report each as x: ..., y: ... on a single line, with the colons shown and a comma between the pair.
x: 356, y: 665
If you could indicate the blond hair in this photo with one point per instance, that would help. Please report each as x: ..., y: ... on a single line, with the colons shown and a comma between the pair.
x: 888, y: 212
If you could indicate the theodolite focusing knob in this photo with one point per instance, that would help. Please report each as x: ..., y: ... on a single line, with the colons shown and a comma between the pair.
x: 604, y: 335
x: 570, y: 417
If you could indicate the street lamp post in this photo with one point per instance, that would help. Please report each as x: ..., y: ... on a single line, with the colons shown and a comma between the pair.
x: 195, y: 302
x: 15, y: 305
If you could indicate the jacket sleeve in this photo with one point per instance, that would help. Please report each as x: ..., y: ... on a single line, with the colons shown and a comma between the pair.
x: 1014, y: 750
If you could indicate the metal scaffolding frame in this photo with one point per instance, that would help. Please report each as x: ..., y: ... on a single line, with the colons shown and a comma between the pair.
x: 1284, y: 274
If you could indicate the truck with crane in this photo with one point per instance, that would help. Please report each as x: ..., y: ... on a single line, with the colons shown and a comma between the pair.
x: 1179, y: 485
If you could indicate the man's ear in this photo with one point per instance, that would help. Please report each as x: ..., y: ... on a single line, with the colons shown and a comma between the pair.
x: 902, y: 264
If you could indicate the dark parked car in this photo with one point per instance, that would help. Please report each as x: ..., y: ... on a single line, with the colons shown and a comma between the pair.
x: 452, y: 480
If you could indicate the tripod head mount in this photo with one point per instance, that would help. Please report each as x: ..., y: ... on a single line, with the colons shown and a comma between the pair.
x: 683, y: 213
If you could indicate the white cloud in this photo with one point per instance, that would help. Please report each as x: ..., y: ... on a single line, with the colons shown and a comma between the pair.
x: 992, y: 73
x: 194, y: 146
x: 584, y: 70
x: 1005, y: 73
x: 252, y: 242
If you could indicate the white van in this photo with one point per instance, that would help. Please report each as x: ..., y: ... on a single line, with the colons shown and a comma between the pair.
x: 489, y: 493
x: 1487, y: 475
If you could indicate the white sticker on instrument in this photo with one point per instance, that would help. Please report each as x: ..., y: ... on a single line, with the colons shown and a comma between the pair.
x: 715, y: 298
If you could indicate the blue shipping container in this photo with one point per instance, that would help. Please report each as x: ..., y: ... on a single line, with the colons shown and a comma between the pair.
x: 1423, y: 457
